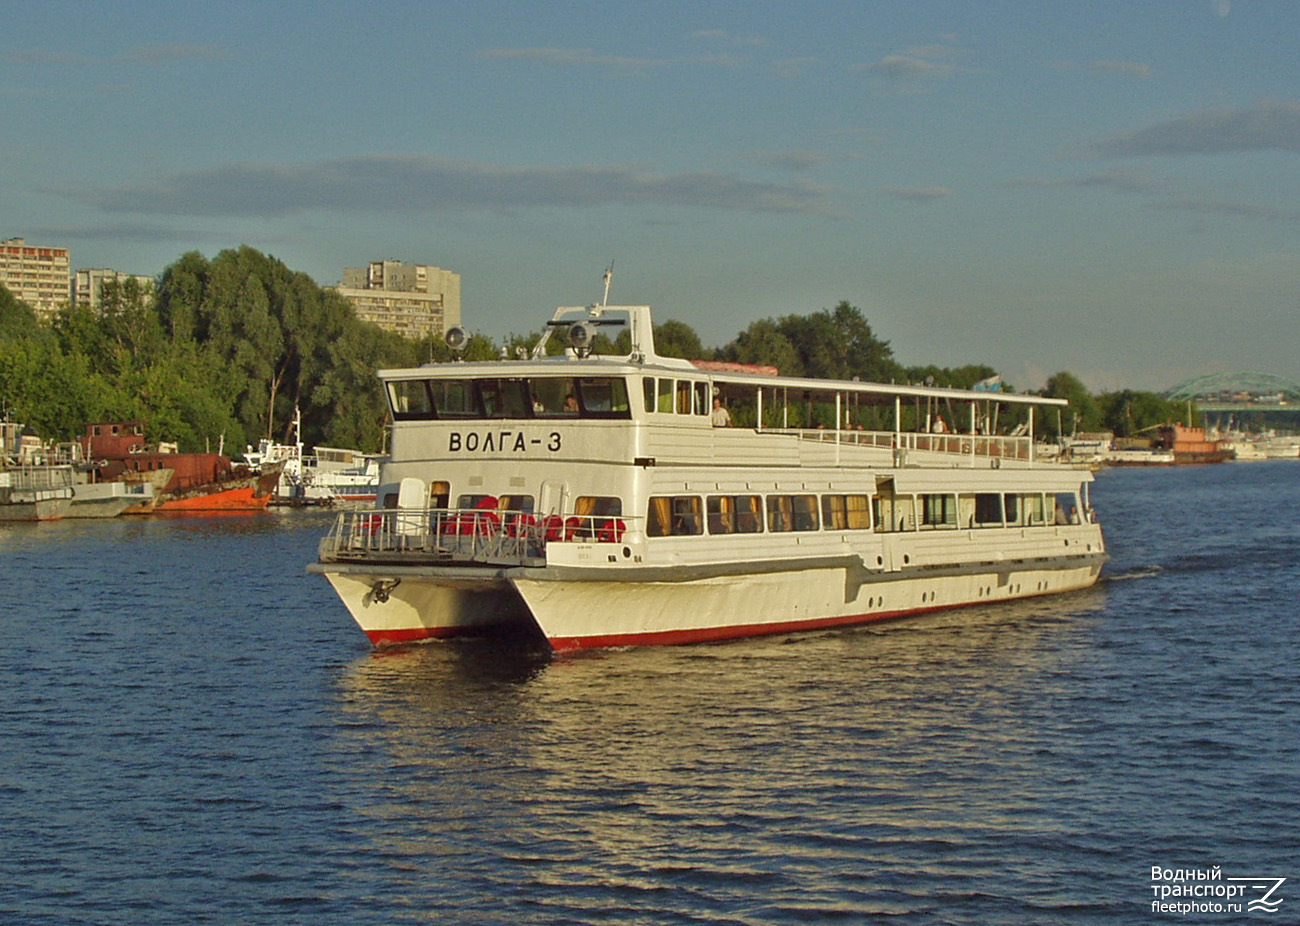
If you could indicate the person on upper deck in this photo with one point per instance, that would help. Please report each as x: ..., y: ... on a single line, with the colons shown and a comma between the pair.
x: 721, y: 418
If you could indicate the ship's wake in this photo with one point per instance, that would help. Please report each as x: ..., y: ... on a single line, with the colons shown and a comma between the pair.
x: 1137, y: 572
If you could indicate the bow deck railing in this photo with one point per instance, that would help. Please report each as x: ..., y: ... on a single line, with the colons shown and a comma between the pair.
x: 465, y: 535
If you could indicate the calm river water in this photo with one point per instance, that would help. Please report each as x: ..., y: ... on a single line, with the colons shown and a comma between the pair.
x: 193, y: 730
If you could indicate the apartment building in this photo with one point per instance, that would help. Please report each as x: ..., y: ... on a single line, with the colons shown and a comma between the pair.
x: 88, y: 285
x: 36, y: 274
x: 414, y: 300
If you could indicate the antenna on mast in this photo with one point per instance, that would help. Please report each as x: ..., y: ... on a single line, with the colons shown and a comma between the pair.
x: 609, y: 275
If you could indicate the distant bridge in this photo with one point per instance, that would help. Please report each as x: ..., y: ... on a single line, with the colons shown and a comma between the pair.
x: 1212, y: 392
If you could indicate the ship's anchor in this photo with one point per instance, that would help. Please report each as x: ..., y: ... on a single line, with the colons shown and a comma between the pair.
x: 380, y: 591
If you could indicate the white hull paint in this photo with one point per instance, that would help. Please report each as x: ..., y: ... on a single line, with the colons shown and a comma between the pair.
x: 579, y: 612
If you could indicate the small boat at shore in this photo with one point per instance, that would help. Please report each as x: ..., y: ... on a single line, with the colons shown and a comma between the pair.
x: 35, y: 492
x: 328, y: 476
x: 33, y: 485
x: 596, y: 501
x: 197, y: 481
x: 110, y: 499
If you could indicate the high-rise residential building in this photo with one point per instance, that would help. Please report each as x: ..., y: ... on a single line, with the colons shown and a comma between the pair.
x: 35, y: 274
x: 414, y: 300
x: 87, y: 285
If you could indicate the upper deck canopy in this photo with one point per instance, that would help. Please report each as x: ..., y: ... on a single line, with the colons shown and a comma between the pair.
x: 580, y: 324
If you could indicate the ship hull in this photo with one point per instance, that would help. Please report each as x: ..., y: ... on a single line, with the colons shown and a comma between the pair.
x: 575, y: 611
x: 242, y: 493
x: 408, y: 605
x: 48, y: 509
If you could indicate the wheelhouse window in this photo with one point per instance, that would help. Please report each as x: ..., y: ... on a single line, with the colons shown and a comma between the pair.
x: 674, y: 515
x: 664, y: 403
x: 505, y: 398
x: 410, y: 399
x: 554, y: 397
x: 509, y: 398
x: 1067, y: 508
x: 702, y: 404
x: 603, y: 397
x: 455, y: 398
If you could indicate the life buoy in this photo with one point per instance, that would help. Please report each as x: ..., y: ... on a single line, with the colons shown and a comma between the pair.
x: 520, y: 525
x: 486, y: 524
x: 552, y: 527
x: 611, y: 531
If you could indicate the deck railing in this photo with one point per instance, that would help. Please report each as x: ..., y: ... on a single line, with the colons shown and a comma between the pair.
x: 968, y: 445
x: 461, y: 534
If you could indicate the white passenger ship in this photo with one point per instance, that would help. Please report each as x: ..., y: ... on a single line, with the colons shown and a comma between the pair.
x: 592, y: 499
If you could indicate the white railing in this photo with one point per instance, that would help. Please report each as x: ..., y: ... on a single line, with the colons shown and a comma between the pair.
x: 969, y: 445
x: 461, y: 535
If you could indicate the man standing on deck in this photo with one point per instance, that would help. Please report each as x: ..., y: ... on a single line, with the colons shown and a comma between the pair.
x: 721, y: 417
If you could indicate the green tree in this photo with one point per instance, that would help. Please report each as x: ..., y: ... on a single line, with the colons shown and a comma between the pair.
x: 1130, y: 413
x: 677, y: 339
x: 1084, y: 413
x: 763, y: 344
x: 16, y: 317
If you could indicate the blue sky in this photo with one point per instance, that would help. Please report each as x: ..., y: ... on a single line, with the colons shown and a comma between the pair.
x: 1109, y: 188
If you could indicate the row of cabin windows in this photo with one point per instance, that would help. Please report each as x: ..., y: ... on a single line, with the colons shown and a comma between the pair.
x: 440, y: 498
x: 543, y: 397
x: 687, y: 515
x: 691, y: 515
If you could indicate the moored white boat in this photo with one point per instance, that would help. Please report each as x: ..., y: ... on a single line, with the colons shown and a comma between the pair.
x: 109, y: 499
x: 327, y: 476
x: 592, y: 500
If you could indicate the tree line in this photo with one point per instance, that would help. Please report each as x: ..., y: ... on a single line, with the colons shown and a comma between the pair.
x: 227, y: 348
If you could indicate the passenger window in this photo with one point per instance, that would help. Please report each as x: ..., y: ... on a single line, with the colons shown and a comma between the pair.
x: 780, y: 513
x: 805, y: 512
x: 522, y: 503
x: 988, y: 511
x: 648, y: 391
x: 598, y: 506
x: 439, y: 494
x: 674, y: 515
